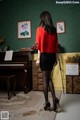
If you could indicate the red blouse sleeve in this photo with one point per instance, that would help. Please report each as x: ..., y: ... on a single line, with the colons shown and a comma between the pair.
x: 38, y: 38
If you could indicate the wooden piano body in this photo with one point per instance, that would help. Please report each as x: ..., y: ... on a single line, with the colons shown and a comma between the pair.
x: 21, y: 66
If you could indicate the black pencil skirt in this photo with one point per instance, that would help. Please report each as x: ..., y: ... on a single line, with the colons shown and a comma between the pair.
x: 47, y: 61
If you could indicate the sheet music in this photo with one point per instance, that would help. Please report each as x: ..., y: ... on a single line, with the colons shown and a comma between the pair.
x: 72, y: 69
x: 8, y: 55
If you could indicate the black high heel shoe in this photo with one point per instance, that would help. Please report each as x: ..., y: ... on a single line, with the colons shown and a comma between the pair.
x: 56, y: 104
x: 47, y: 106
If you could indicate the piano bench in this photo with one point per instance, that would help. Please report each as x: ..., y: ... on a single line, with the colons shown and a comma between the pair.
x: 9, y: 78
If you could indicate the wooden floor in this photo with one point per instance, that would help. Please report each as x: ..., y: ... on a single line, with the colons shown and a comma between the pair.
x: 70, y: 104
x: 27, y: 106
x: 30, y: 106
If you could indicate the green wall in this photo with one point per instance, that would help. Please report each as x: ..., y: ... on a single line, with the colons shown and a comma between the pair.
x: 12, y: 11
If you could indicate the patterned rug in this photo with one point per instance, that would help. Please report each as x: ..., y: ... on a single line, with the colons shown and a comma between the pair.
x: 27, y: 106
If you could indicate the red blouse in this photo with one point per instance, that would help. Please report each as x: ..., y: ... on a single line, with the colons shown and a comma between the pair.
x: 46, y: 42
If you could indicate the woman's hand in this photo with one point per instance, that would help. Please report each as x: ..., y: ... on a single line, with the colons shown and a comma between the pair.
x: 56, y: 59
x: 37, y: 62
x: 56, y: 62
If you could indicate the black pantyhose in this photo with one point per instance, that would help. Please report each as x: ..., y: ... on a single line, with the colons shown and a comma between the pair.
x: 47, y: 83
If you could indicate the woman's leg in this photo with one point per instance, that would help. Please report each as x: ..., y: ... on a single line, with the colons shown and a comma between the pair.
x: 51, y: 86
x: 45, y: 85
x: 54, y: 98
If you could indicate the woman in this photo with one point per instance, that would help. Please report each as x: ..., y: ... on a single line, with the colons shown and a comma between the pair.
x: 47, y: 44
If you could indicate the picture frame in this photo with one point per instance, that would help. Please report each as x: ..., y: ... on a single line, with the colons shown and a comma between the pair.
x: 60, y: 27
x: 72, y: 69
x: 23, y: 29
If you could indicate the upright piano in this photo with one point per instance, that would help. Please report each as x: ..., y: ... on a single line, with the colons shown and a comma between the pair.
x: 20, y: 66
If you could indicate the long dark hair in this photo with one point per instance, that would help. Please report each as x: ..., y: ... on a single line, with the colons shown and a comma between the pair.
x: 46, y: 22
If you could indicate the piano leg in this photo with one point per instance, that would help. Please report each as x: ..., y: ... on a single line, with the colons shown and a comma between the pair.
x: 14, y: 85
x: 8, y: 88
x: 25, y: 78
x: 9, y: 78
